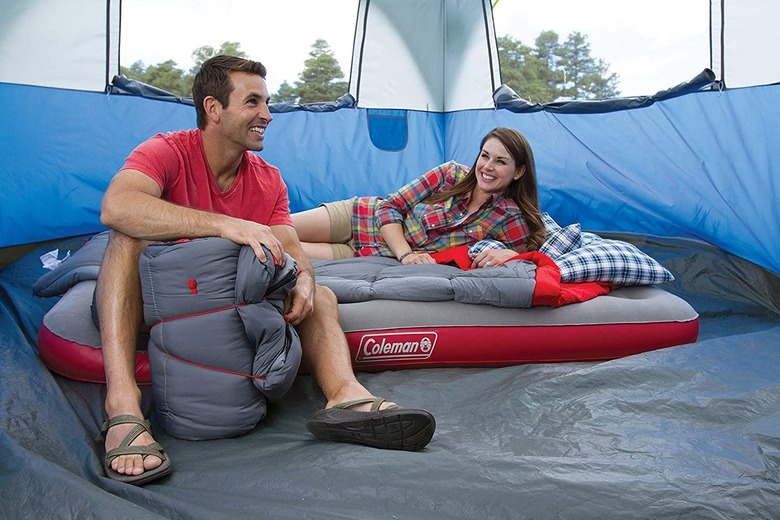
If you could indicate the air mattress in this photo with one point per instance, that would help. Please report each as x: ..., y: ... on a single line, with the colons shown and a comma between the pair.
x: 397, y: 316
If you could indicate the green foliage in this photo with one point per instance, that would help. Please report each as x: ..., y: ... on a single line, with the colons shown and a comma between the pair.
x: 286, y: 93
x: 523, y: 68
x: 548, y: 71
x: 588, y: 78
x: 166, y: 76
x: 319, y: 79
x: 169, y: 77
x: 552, y: 70
x: 205, y: 52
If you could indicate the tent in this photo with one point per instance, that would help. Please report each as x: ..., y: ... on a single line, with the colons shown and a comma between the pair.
x: 690, y: 174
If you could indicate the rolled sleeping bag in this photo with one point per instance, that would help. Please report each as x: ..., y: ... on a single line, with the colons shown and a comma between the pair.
x: 219, y: 347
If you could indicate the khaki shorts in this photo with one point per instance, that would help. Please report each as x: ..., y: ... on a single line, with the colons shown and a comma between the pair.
x: 340, y: 214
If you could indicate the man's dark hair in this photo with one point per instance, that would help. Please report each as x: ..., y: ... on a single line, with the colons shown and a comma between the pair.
x: 213, y: 79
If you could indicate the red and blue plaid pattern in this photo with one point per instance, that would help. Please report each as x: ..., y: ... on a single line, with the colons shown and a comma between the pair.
x: 435, y: 227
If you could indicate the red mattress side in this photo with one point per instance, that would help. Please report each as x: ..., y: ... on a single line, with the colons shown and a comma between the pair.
x: 480, y: 346
x: 432, y: 347
x: 82, y: 362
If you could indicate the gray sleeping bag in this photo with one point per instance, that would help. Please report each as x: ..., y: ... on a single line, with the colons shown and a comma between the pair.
x: 219, y: 347
x: 218, y: 343
x: 378, y: 278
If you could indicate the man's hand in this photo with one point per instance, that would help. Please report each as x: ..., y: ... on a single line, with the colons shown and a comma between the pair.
x: 255, y: 235
x: 299, y: 304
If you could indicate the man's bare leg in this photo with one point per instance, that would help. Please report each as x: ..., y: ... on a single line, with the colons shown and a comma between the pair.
x: 326, y: 354
x: 120, y: 310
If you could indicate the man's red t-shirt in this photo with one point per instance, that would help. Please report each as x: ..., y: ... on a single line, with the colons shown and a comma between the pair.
x: 177, y: 163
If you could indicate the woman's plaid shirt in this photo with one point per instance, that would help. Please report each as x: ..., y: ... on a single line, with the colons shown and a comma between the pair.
x: 435, y: 227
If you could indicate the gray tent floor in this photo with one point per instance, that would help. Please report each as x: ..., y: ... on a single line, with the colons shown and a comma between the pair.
x: 685, y: 432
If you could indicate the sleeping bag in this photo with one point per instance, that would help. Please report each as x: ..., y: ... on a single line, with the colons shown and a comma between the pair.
x: 219, y: 347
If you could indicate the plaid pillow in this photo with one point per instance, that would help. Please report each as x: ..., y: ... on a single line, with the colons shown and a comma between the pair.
x: 589, y: 238
x: 549, y: 223
x: 562, y: 241
x: 611, y: 261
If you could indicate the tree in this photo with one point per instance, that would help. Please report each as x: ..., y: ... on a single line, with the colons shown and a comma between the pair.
x: 319, y: 79
x: 540, y: 74
x: 522, y: 68
x: 166, y: 76
x: 552, y: 70
x: 205, y: 52
x: 135, y: 71
x: 169, y: 77
x: 547, y: 46
x: 286, y: 93
x: 587, y: 77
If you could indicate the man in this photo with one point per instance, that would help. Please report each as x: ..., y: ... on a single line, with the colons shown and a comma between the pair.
x: 202, y: 183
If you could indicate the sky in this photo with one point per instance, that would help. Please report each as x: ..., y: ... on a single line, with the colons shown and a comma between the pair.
x: 651, y: 46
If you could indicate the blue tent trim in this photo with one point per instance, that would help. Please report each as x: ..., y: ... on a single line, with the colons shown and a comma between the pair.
x: 121, y: 85
x: 506, y: 98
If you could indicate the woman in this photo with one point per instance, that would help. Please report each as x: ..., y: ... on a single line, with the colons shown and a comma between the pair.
x: 448, y: 206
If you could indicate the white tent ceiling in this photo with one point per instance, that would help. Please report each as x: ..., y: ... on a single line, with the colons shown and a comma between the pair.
x: 435, y: 55
x: 72, y: 45
x: 744, y: 41
x: 438, y: 55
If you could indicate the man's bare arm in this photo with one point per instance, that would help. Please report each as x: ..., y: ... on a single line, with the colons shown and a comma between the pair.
x: 300, y: 303
x: 133, y: 205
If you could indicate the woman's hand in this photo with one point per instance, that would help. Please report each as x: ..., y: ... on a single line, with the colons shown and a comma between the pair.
x: 492, y: 257
x: 418, y: 258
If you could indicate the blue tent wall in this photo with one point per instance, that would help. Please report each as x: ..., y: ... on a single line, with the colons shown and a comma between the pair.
x: 325, y: 156
x: 59, y: 149
x: 701, y: 165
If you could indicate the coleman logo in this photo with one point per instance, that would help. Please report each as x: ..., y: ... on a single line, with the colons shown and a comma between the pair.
x: 398, y: 345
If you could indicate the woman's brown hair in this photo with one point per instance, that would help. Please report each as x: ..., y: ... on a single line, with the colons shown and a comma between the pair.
x: 523, y: 190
